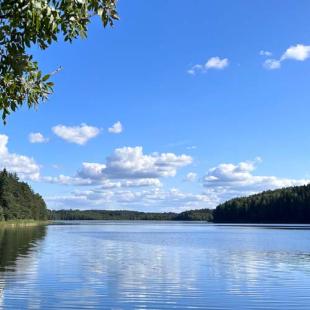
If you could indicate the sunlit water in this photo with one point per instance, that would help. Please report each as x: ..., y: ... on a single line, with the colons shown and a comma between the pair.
x: 148, y: 265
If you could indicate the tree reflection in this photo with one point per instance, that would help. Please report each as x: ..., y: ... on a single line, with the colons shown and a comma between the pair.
x: 18, y: 241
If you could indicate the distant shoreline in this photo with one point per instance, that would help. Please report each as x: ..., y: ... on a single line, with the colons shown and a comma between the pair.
x: 23, y: 223
x: 188, y: 221
x: 192, y: 215
x: 33, y: 223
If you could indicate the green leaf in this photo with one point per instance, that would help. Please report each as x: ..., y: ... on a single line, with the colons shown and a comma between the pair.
x: 46, y: 77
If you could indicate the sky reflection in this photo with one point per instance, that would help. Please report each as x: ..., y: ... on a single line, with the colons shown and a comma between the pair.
x: 162, y: 266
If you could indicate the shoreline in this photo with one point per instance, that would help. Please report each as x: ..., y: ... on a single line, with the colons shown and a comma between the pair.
x: 22, y: 223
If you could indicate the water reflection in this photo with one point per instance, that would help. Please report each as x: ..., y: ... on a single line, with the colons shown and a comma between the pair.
x: 161, y: 266
x: 16, y: 252
x: 18, y: 241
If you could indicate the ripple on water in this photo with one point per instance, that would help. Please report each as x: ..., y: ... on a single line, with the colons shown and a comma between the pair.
x: 155, y: 266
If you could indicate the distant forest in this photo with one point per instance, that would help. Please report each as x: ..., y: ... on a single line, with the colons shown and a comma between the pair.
x: 286, y: 205
x: 18, y: 200
x: 200, y: 215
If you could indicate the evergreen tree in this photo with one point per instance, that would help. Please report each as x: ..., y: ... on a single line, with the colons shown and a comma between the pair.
x: 286, y: 205
x: 18, y: 201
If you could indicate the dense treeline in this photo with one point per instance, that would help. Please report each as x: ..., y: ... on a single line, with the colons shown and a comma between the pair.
x: 198, y: 215
x: 286, y: 205
x: 18, y: 200
x: 108, y: 215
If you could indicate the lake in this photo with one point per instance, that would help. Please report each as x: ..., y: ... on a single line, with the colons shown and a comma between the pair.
x: 155, y: 265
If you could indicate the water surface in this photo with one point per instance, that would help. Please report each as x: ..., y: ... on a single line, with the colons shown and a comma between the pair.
x: 155, y: 265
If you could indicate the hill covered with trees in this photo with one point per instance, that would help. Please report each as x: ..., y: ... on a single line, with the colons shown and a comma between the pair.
x: 286, y: 205
x: 18, y: 200
x: 108, y: 215
x: 196, y: 215
x: 193, y: 215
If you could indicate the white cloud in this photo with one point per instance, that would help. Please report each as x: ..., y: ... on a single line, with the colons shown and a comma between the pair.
x: 119, y: 184
x: 191, y: 177
x: 3, y: 144
x: 131, y: 163
x: 216, y: 63
x: 37, y: 137
x: 196, y: 69
x: 191, y: 147
x: 272, y: 64
x: 297, y: 52
x: 24, y: 166
x: 240, y: 180
x: 93, y: 171
x: 66, y: 180
x: 116, y: 128
x: 76, y: 134
x: 104, y: 183
x: 141, y: 183
x: 154, y: 199
x: 265, y: 53
x: 126, y: 167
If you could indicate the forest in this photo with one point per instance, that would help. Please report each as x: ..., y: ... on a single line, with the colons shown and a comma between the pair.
x: 18, y: 200
x: 108, y: 215
x: 200, y: 215
x: 286, y: 205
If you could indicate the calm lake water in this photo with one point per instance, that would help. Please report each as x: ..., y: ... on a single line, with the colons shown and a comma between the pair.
x: 148, y: 265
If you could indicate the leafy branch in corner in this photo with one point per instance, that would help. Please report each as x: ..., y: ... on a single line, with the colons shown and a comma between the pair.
x: 27, y: 23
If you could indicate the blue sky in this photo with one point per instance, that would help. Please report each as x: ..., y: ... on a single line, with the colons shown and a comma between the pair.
x: 212, y: 99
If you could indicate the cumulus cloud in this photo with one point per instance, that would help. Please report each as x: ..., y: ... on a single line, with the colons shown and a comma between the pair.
x: 37, y: 137
x: 265, y: 53
x: 154, y: 199
x: 191, y: 147
x: 129, y: 179
x: 190, y: 177
x: 272, y: 64
x: 66, y: 180
x: 216, y: 63
x: 140, y: 183
x: 132, y: 163
x: 104, y: 183
x: 126, y: 167
x: 93, y: 171
x: 297, y: 52
x: 116, y: 128
x: 240, y: 179
x: 76, y: 134
x: 24, y: 166
x: 120, y: 189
